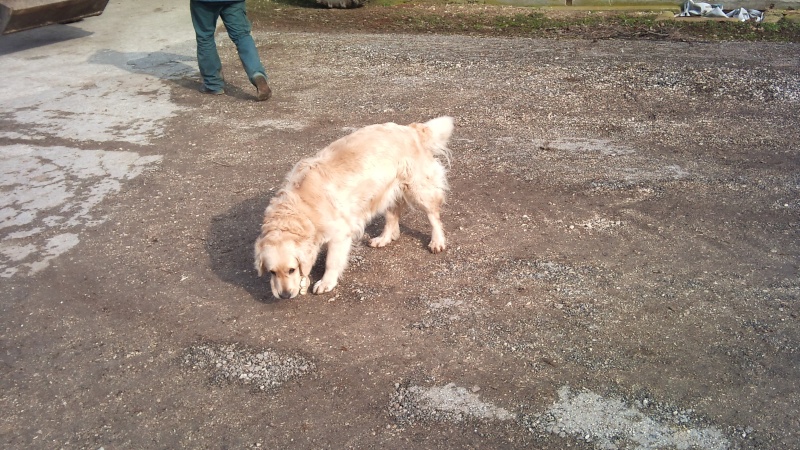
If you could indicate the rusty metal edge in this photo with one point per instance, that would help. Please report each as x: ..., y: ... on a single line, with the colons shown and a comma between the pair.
x: 48, y: 14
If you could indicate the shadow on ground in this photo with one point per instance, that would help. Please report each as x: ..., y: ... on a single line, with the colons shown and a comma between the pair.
x: 163, y: 65
x: 229, y: 245
x: 40, y: 37
x: 178, y: 68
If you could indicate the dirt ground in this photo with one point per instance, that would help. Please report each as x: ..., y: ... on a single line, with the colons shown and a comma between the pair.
x: 622, y: 269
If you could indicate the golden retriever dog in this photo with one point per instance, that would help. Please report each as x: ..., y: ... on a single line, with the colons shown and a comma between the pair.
x: 330, y: 198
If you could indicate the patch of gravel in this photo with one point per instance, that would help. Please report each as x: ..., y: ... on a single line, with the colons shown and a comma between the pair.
x: 448, y: 403
x: 610, y: 423
x: 262, y: 369
x: 603, y: 422
x: 441, y: 313
x: 589, y: 162
x: 600, y: 224
x: 587, y: 63
x: 567, y: 281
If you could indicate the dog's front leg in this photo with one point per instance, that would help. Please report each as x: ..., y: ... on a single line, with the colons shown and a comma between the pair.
x: 335, y: 263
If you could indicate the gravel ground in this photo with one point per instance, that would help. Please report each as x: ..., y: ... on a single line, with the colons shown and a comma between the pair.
x: 621, y: 272
x: 261, y: 368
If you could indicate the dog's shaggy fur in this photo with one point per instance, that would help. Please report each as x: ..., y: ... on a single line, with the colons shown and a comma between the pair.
x: 330, y: 198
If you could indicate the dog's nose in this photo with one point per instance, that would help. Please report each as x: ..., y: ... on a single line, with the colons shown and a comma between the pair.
x: 286, y: 295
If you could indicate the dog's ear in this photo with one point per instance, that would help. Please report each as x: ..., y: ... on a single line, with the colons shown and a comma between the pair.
x: 305, y: 267
x: 306, y: 263
x: 259, y: 263
x: 306, y: 257
x: 260, y: 266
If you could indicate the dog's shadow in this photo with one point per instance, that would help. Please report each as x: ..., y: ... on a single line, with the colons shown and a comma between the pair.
x: 232, y: 235
x: 229, y: 245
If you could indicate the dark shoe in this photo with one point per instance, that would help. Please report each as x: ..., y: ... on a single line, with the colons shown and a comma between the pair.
x: 206, y: 90
x: 262, y: 88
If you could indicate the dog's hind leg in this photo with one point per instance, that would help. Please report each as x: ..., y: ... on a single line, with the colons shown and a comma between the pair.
x: 430, y: 200
x: 335, y: 263
x: 391, y: 231
x: 437, y: 243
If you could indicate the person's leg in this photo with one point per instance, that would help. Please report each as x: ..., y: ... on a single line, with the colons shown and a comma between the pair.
x: 204, y: 19
x: 234, y: 16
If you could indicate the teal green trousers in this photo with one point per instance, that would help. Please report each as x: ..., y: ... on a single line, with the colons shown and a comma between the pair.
x: 234, y: 16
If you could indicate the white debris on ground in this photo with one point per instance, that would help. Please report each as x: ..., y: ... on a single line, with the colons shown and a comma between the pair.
x: 604, y: 422
x: 702, y: 9
x: 448, y: 403
x: 609, y: 423
x: 600, y: 224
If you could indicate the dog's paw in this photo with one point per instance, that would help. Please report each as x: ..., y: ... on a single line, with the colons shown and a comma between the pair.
x: 322, y: 286
x: 436, y: 246
x: 304, y: 282
x: 380, y: 241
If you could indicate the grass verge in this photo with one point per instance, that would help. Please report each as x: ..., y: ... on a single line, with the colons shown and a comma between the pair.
x: 442, y: 16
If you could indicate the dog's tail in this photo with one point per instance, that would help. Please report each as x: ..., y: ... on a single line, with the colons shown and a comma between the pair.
x: 435, y: 134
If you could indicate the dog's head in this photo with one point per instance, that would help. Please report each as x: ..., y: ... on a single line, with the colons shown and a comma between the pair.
x: 286, y: 260
x: 280, y: 259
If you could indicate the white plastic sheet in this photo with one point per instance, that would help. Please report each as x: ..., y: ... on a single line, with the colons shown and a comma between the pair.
x: 702, y: 9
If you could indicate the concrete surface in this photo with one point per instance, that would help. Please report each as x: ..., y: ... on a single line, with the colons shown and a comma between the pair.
x: 97, y: 88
